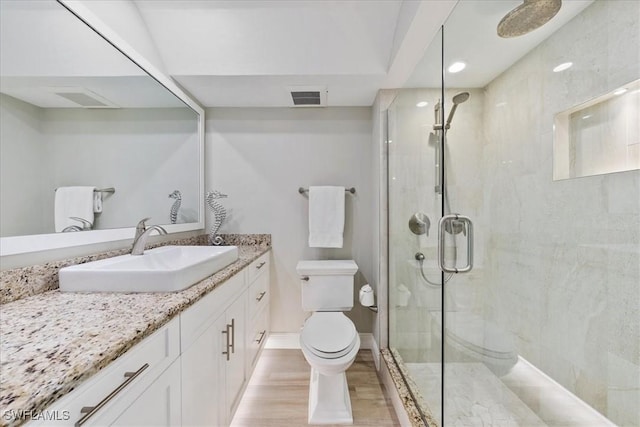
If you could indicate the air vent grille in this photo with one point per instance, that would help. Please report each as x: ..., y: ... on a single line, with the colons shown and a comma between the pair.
x: 82, y: 99
x: 306, y: 98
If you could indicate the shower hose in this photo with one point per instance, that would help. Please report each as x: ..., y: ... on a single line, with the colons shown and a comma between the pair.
x: 420, y: 258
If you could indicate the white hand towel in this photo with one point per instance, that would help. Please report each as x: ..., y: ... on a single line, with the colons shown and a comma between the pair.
x: 73, y: 201
x: 326, y: 217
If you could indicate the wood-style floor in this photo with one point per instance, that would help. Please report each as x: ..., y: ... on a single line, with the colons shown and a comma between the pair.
x: 278, y: 392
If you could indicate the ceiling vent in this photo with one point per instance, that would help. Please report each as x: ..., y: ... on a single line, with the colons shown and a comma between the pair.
x: 84, y: 97
x: 308, y: 96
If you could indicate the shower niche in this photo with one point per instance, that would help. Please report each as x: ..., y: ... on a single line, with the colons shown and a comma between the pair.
x: 599, y: 136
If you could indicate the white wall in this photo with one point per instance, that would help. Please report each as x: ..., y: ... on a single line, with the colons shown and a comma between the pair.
x: 144, y: 153
x: 260, y: 156
x: 21, y: 182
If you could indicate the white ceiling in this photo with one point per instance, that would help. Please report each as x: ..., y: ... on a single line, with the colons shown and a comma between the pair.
x: 247, y: 53
x: 470, y: 36
x: 46, y: 50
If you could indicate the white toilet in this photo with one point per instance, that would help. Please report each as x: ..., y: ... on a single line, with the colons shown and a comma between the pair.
x: 328, y: 339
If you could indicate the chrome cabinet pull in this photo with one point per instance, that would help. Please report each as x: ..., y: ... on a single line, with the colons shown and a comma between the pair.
x: 90, y: 411
x: 262, y: 334
x: 444, y: 225
x: 226, y: 332
x: 233, y: 335
x: 261, y: 295
x: 305, y: 278
x: 259, y: 266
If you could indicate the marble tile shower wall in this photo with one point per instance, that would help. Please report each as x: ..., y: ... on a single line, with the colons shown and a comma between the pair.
x: 564, y: 256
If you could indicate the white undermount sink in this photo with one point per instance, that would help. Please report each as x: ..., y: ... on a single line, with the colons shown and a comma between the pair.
x: 163, y: 269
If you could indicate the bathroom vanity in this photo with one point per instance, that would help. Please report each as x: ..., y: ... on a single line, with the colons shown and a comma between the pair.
x: 179, y: 358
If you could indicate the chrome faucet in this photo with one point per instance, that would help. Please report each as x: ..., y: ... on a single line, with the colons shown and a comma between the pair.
x: 142, y: 233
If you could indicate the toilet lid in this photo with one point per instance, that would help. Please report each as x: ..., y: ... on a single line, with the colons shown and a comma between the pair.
x: 329, y: 334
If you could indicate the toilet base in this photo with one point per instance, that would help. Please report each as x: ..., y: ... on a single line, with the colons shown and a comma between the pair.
x: 329, y: 400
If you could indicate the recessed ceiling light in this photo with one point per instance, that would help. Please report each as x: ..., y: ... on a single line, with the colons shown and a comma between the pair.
x: 422, y: 104
x: 620, y: 91
x: 562, y: 67
x: 456, y: 67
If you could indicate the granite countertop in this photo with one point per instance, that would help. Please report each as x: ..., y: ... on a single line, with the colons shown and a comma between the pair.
x: 53, y: 341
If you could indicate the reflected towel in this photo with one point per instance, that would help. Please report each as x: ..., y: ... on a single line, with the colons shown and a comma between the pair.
x: 73, y: 201
x: 326, y: 217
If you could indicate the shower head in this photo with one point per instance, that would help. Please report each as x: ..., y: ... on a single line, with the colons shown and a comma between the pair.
x: 457, y: 99
x: 527, y: 17
x: 460, y: 98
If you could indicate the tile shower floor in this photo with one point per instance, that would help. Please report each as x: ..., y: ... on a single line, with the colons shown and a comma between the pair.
x: 525, y: 397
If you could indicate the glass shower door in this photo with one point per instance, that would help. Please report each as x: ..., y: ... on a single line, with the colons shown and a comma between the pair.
x: 414, y: 208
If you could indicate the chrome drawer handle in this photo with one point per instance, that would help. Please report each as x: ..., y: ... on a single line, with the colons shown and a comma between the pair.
x: 233, y: 335
x: 226, y: 332
x: 262, y: 334
x: 261, y: 295
x: 305, y: 278
x: 90, y: 411
x: 259, y: 266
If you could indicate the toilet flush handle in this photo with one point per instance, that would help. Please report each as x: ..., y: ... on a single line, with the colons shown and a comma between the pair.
x: 305, y: 278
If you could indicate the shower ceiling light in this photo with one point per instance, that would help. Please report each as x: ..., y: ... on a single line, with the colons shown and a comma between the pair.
x: 456, y: 67
x: 422, y: 104
x: 562, y: 67
x: 620, y: 91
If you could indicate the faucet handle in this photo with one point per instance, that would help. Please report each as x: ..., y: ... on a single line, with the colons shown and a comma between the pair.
x: 142, y: 225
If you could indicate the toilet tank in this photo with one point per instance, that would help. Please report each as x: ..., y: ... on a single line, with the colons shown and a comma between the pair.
x: 329, y: 286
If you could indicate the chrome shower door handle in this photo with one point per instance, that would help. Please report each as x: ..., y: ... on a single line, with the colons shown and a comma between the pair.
x: 442, y: 226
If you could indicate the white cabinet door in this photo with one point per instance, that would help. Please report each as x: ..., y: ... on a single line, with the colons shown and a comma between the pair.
x: 203, y: 399
x: 234, y: 366
x: 158, y: 405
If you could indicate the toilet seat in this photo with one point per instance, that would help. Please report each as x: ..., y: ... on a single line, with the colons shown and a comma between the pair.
x: 329, y: 335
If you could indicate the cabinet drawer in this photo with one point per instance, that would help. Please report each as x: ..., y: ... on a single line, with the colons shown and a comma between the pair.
x: 259, y: 267
x: 258, y: 295
x: 122, y: 381
x: 258, y: 334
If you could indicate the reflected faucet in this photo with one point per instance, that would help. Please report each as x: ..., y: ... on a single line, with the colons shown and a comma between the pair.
x: 142, y: 233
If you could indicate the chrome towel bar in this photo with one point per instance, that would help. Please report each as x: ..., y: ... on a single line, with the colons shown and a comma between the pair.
x: 101, y: 190
x: 302, y: 190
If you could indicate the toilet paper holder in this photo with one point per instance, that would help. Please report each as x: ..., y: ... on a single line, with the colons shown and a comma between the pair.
x: 367, y: 298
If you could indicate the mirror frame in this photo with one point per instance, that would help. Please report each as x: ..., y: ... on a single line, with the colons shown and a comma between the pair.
x: 16, y: 245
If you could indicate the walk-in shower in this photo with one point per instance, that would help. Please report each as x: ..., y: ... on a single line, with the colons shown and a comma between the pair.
x: 513, y: 296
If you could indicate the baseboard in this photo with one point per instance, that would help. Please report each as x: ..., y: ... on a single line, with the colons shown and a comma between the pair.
x: 375, y: 350
x: 291, y: 340
x: 288, y: 340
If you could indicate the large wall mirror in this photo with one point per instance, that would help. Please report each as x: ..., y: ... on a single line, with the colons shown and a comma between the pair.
x: 80, y: 119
